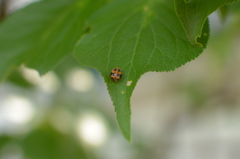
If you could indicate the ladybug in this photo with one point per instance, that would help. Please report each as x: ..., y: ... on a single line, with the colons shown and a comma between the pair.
x: 116, y: 74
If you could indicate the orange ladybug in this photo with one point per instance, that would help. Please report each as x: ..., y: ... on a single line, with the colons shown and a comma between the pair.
x: 116, y: 74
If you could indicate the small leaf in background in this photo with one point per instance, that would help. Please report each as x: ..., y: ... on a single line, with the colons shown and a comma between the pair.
x: 43, y: 33
x: 137, y: 36
x: 193, y: 14
x: 223, y: 13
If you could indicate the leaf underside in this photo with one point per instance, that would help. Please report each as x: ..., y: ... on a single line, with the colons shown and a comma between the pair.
x: 193, y: 14
x: 137, y: 36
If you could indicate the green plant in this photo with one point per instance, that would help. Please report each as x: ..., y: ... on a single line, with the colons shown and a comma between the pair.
x: 137, y: 36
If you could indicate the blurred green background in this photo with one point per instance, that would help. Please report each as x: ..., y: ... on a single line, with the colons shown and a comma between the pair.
x: 191, y: 113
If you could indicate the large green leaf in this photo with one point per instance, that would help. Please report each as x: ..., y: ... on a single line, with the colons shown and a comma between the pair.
x: 137, y: 36
x: 43, y: 33
x: 193, y: 14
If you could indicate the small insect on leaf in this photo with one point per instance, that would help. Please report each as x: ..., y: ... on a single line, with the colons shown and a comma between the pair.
x: 116, y: 74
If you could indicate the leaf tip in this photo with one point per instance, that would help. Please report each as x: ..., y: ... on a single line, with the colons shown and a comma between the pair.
x: 126, y: 130
x: 128, y: 138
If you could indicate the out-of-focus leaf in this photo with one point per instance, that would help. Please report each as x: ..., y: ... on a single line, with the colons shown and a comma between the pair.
x: 43, y: 33
x: 17, y: 78
x: 45, y: 143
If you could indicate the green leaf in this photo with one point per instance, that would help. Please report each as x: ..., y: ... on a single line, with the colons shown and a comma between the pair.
x: 193, y: 14
x: 43, y: 33
x: 137, y: 36
x: 224, y: 12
